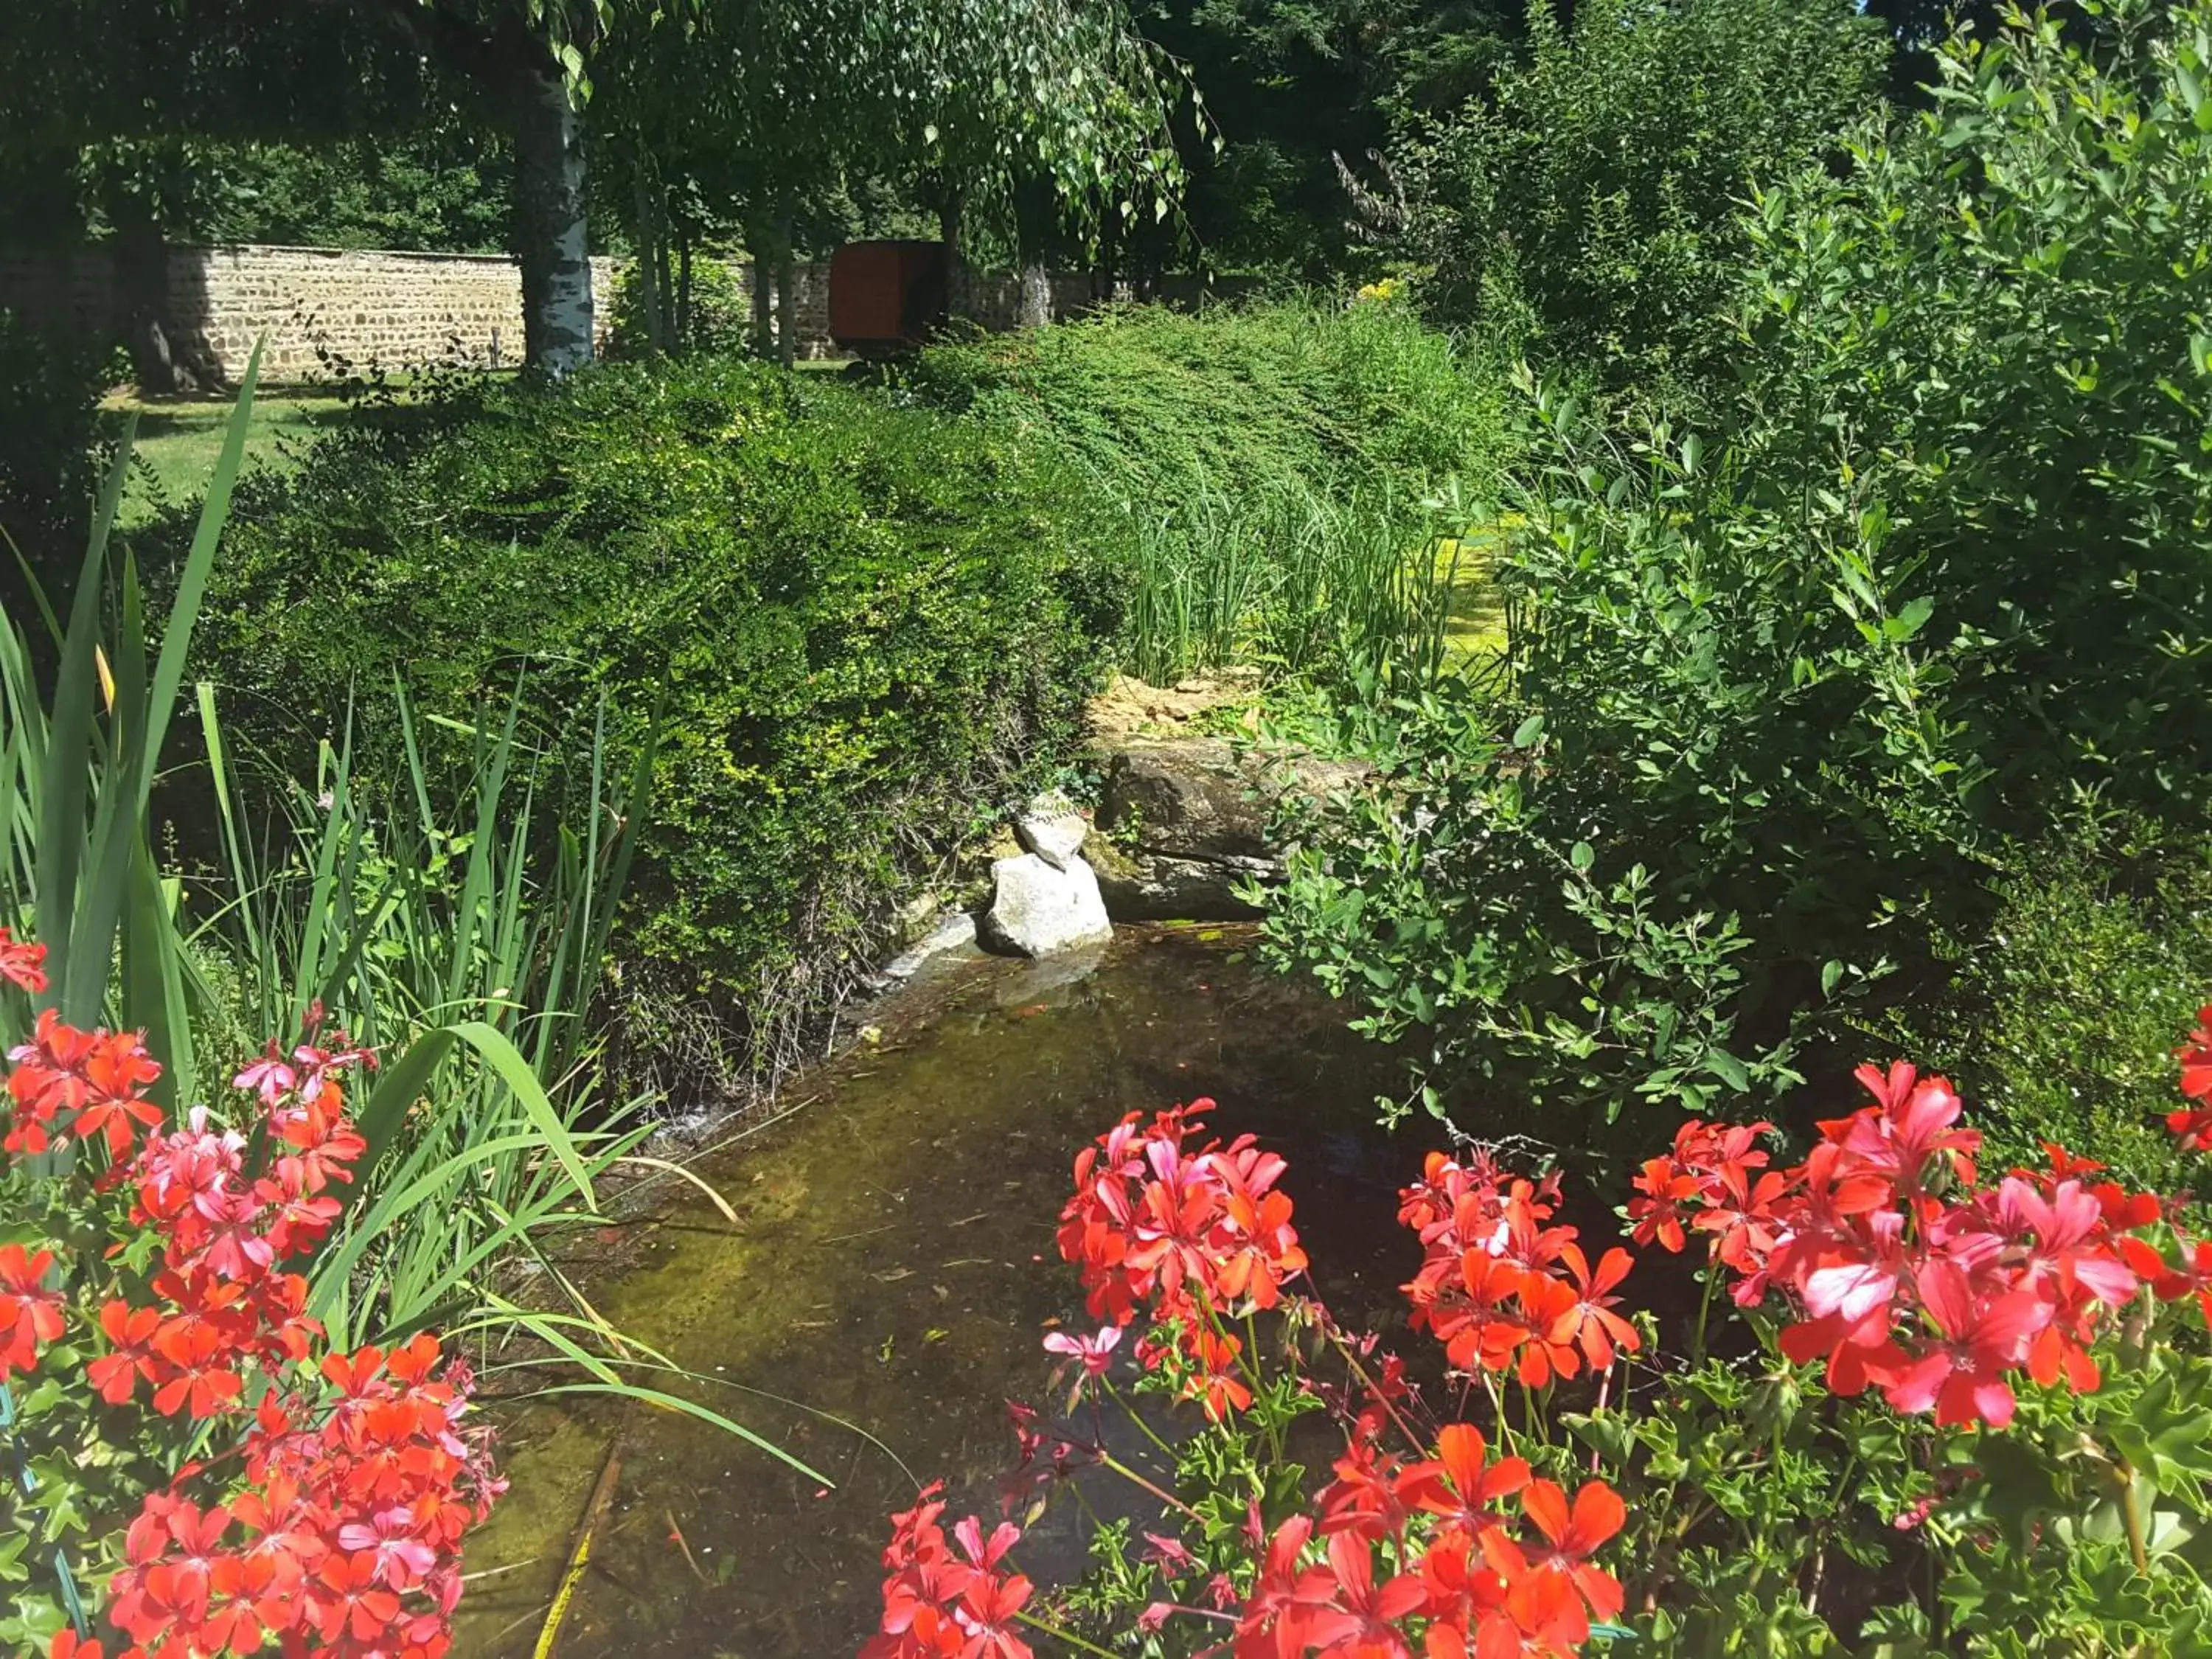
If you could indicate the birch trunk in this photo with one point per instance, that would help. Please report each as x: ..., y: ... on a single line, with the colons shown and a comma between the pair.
x: 787, y: 301
x: 549, y: 230
x: 1036, y: 308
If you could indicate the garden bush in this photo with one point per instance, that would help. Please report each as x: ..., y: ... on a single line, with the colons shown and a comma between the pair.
x: 50, y: 443
x: 1587, y: 206
x: 853, y: 627
x: 712, y: 316
x: 2059, y: 1015
x: 1782, y: 693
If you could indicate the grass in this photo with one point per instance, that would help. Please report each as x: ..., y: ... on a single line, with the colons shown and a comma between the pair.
x: 179, y: 439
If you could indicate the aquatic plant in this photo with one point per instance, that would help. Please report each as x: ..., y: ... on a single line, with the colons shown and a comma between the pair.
x: 1934, y: 1412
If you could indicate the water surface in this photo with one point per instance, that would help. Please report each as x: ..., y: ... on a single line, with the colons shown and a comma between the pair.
x: 892, y: 1269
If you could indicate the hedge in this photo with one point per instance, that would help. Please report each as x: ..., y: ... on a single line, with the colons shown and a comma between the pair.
x: 863, y: 627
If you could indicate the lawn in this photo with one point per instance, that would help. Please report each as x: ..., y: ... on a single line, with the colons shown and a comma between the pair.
x: 178, y: 439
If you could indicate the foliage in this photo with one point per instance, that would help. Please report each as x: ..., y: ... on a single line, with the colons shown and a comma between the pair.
x: 329, y: 933
x: 710, y: 314
x: 49, y: 445
x: 443, y: 188
x: 2061, y: 1009
x: 1937, y: 1412
x: 437, y: 946
x: 1779, y: 702
x: 1592, y: 196
x: 859, y: 625
x: 1275, y: 465
x: 1296, y: 86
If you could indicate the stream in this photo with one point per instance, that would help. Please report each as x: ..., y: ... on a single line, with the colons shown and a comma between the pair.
x: 885, y: 1289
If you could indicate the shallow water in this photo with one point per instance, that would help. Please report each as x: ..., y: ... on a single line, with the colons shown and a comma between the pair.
x: 892, y: 1270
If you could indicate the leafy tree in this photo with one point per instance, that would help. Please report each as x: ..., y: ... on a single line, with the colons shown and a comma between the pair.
x: 1784, y: 689
x: 443, y: 189
x: 1292, y: 85
x: 1591, y: 197
x: 1003, y: 89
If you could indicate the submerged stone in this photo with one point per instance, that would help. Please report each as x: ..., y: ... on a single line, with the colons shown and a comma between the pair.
x: 950, y: 935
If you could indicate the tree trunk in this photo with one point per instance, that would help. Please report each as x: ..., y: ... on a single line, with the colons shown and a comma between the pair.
x: 1036, y: 308
x: 550, y: 242
x: 649, y: 288
x: 684, y: 328
x: 763, y: 330
x: 959, y: 299
x: 787, y: 301
x: 142, y: 285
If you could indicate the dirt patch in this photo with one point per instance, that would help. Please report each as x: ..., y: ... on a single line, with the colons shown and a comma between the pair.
x: 1130, y: 710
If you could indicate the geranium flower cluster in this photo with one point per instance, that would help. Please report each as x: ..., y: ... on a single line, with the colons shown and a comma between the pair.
x: 359, y: 1479
x: 1184, y: 1235
x: 1433, y: 1541
x: 1499, y: 1286
x: 1444, y: 1552
x: 222, y: 1299
x: 937, y: 1604
x: 346, y: 1538
x: 1907, y: 1273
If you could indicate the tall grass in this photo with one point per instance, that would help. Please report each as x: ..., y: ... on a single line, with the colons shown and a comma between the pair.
x: 1297, y: 576
x: 433, y: 939
x: 470, y: 956
x: 1275, y: 466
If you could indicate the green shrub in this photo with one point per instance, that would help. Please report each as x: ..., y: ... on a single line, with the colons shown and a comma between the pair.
x: 1588, y: 205
x: 1274, y: 463
x: 858, y: 624
x: 713, y: 316
x: 1779, y: 701
x: 50, y: 393
x: 2064, y: 1009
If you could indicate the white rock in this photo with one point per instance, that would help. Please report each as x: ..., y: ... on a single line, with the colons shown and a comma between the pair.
x: 1036, y: 910
x: 1050, y: 827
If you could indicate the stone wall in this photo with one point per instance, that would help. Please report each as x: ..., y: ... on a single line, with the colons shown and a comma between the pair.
x: 316, y: 306
x: 324, y: 308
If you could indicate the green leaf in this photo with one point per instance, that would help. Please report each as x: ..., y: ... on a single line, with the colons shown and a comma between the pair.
x: 513, y: 1070
x: 1909, y: 621
x: 1729, y: 1070
x: 1529, y: 733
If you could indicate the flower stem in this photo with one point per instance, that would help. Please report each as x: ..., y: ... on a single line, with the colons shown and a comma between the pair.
x: 1107, y: 1460
x: 1351, y: 1359
x: 1067, y: 1636
x: 1704, y: 1309
x: 1131, y: 1414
